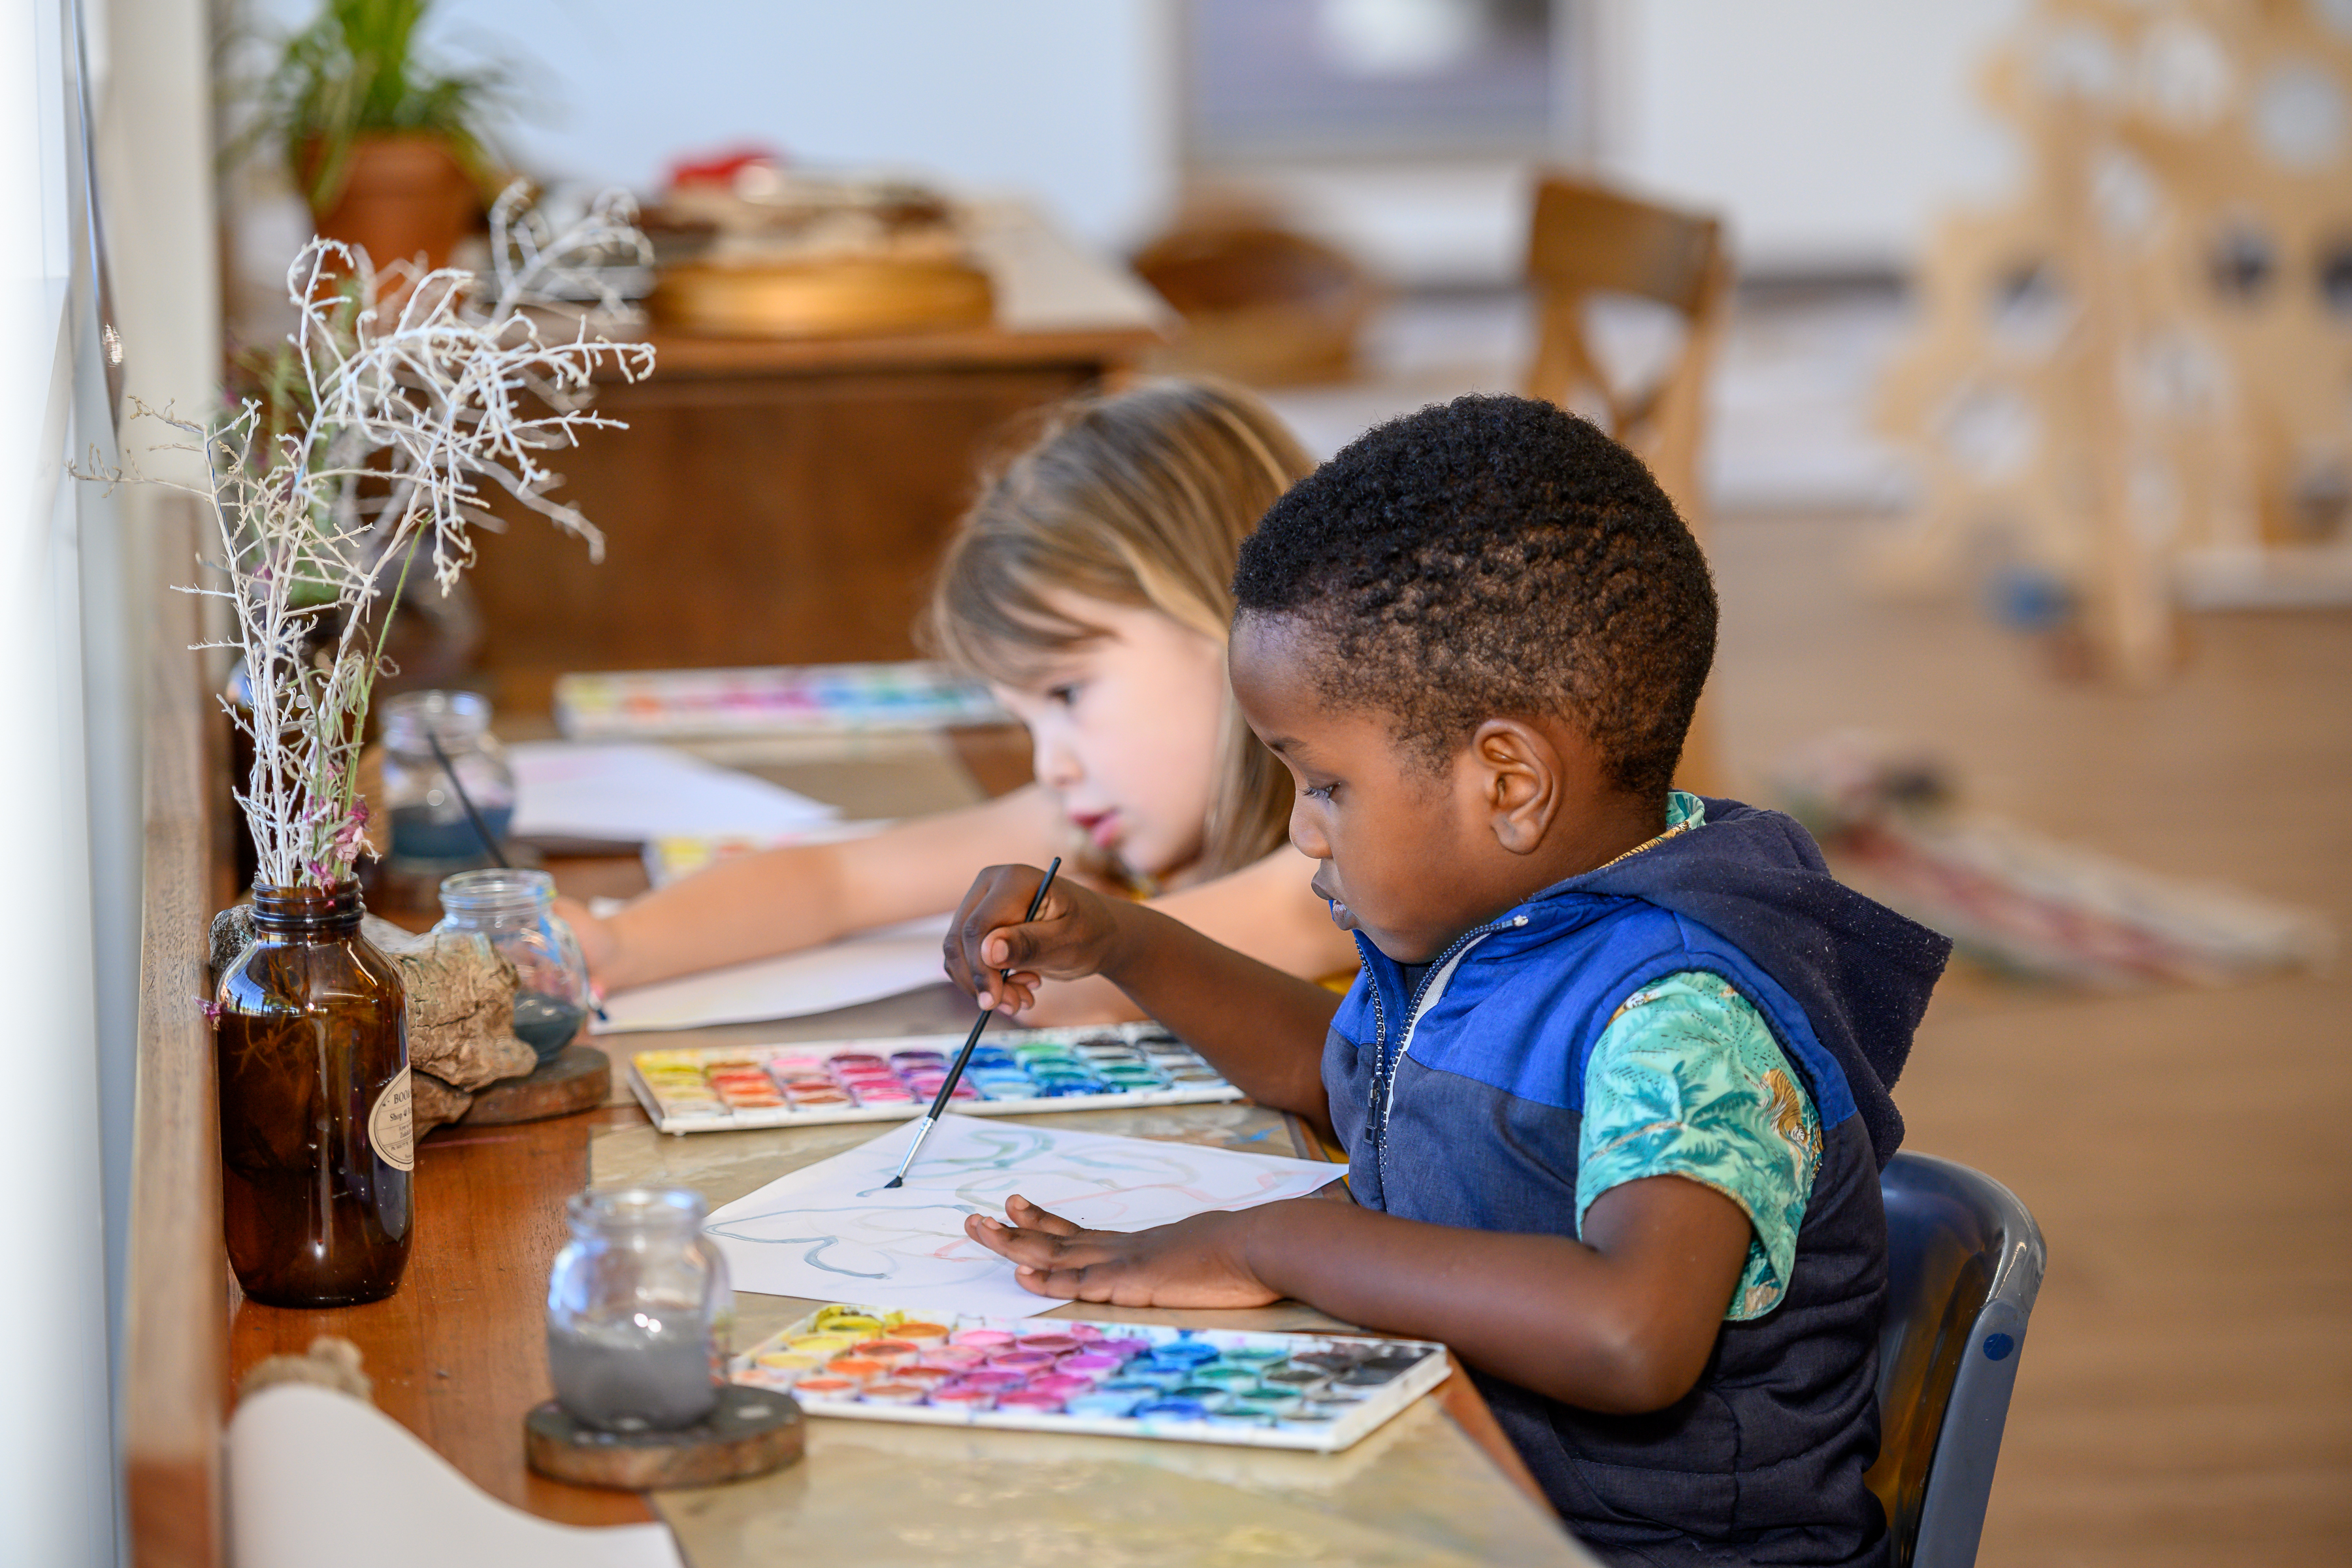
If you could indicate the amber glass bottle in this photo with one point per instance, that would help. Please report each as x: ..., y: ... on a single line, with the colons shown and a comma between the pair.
x: 311, y: 1042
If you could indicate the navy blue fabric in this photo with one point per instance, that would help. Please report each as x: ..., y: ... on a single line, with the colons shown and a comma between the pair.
x: 1460, y: 1101
x: 1861, y: 972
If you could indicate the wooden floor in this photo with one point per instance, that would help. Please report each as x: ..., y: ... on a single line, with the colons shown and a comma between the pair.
x: 2186, y: 1392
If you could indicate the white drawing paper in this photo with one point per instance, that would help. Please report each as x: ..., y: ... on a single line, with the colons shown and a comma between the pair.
x: 833, y: 1232
x: 315, y: 1476
x: 640, y: 792
x: 842, y: 974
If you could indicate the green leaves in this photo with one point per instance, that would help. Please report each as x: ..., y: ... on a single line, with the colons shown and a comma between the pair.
x: 356, y: 70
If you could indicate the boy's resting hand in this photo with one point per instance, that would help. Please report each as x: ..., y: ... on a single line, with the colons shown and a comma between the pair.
x: 1072, y: 936
x: 1621, y: 1321
x: 1196, y: 1262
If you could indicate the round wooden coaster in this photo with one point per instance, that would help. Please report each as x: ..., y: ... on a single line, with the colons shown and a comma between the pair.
x: 579, y: 1080
x: 753, y: 1431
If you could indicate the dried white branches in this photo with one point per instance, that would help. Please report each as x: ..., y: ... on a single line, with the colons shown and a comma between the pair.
x: 409, y: 395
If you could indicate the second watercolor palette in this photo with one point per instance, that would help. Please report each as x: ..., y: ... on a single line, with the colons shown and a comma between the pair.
x: 1015, y: 1071
x: 1322, y: 1393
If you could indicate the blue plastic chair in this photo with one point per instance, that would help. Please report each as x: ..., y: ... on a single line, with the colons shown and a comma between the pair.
x: 1964, y: 1262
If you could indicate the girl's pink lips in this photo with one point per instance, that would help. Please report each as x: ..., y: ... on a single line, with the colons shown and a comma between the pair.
x: 1101, y: 826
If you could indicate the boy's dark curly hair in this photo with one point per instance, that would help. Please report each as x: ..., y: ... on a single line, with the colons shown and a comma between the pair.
x: 1496, y: 557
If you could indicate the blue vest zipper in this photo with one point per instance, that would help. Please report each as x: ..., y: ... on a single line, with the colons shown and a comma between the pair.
x: 1385, y: 1068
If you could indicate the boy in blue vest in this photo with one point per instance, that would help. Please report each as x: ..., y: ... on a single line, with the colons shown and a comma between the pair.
x: 1614, y: 1078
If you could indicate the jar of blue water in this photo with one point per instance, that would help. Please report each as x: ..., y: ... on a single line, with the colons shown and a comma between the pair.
x: 514, y: 911
x: 640, y: 1311
x: 430, y: 828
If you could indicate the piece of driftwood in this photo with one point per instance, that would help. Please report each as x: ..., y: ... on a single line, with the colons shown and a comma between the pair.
x: 433, y: 1104
x: 460, y: 1006
x: 460, y: 996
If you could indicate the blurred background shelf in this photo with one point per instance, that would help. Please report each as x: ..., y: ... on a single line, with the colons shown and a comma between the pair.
x: 780, y: 500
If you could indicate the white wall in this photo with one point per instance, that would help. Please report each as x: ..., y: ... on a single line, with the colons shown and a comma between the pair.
x: 1831, y: 130
x: 1068, y: 99
x: 57, y: 1475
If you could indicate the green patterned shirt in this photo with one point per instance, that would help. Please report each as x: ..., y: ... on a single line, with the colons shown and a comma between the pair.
x: 1688, y: 1082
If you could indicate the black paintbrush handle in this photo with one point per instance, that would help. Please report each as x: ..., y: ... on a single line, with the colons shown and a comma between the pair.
x: 964, y: 1057
x: 481, y: 828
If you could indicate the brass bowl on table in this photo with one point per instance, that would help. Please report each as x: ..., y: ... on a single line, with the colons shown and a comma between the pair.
x: 845, y: 297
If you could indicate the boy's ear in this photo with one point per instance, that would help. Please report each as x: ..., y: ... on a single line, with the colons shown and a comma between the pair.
x: 1521, y: 779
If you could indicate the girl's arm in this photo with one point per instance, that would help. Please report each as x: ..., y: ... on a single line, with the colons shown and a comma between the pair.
x: 1269, y: 911
x: 1264, y: 910
x: 783, y: 900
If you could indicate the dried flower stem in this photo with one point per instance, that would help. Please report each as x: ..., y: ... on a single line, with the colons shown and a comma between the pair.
x: 412, y: 399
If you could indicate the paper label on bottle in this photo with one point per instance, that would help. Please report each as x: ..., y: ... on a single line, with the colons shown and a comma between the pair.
x: 392, y: 1130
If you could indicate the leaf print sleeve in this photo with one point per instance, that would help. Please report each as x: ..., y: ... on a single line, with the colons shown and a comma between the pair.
x: 1688, y: 1082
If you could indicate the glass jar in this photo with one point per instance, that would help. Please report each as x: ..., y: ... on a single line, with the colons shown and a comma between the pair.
x: 640, y: 1311
x: 514, y: 910
x: 310, y: 1044
x: 428, y: 822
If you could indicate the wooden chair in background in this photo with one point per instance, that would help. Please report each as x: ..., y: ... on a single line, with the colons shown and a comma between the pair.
x: 1589, y: 241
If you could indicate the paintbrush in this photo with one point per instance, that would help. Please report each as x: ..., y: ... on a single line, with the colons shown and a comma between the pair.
x: 473, y: 813
x: 964, y: 1057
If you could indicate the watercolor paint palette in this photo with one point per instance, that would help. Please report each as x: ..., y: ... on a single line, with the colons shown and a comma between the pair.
x: 1317, y: 1392
x: 783, y: 700
x: 724, y: 1088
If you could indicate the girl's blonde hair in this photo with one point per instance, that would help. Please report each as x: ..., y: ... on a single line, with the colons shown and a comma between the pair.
x: 1135, y: 497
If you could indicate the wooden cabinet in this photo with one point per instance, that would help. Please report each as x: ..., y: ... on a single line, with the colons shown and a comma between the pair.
x: 784, y: 502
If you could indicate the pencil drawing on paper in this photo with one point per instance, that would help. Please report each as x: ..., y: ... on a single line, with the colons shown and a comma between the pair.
x: 831, y: 1229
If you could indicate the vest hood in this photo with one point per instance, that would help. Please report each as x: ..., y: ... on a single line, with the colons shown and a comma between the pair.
x: 1862, y: 973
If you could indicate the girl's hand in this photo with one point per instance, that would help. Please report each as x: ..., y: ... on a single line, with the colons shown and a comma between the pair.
x: 1073, y: 935
x: 1197, y: 1262
x: 600, y: 944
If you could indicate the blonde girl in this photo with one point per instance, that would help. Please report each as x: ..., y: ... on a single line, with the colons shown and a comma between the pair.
x: 1090, y: 586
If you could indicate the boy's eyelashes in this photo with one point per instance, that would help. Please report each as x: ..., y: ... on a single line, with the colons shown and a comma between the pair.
x: 1318, y: 792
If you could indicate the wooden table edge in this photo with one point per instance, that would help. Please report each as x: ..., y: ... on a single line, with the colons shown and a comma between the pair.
x: 1457, y: 1395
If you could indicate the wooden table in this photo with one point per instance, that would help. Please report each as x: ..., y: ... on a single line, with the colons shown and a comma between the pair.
x: 457, y: 1353
x: 778, y: 501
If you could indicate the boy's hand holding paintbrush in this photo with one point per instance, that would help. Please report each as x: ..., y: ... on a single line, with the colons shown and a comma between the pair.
x: 1207, y: 993
x: 1000, y: 957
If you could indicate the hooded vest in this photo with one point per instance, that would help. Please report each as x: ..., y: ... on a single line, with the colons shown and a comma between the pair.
x: 1460, y: 1105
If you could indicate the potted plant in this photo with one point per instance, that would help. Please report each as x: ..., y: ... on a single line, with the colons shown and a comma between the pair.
x: 390, y: 151
x: 394, y: 420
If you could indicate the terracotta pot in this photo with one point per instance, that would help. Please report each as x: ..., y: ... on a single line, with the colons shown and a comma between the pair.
x: 408, y: 196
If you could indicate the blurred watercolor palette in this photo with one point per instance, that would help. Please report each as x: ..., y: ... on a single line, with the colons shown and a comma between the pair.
x: 670, y: 704
x: 1317, y: 1392
x: 721, y: 1089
